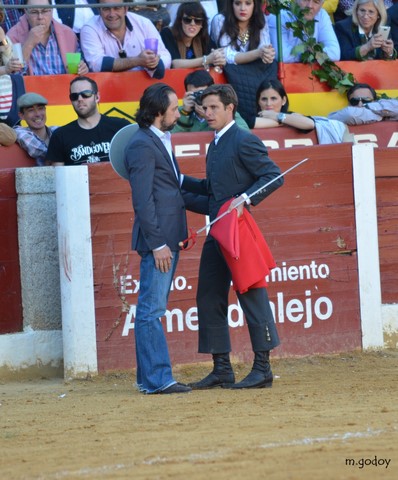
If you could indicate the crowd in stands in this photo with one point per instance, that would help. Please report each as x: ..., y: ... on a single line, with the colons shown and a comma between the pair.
x: 236, y: 37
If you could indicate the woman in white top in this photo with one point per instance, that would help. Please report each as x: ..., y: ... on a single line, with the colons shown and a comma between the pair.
x: 242, y: 29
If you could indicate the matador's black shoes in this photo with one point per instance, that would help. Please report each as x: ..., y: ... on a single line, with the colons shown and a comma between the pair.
x: 221, y: 375
x: 260, y: 375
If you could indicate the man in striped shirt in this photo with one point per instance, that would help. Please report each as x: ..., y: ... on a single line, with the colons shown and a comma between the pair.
x: 45, y: 42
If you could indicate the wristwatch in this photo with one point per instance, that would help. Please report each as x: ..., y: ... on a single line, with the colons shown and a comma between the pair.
x: 281, y: 117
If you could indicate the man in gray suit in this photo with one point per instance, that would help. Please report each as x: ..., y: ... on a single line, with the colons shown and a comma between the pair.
x: 159, y: 225
x: 237, y: 165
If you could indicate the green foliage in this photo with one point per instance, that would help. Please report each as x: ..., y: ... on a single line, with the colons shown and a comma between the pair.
x: 309, y: 49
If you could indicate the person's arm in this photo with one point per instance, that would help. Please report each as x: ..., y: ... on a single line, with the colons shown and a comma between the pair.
x: 30, y: 143
x: 266, y: 53
x: 327, y: 36
x: 216, y: 58
x: 141, y: 177
x: 7, y: 135
x: 254, y: 156
x: 355, y: 116
x: 92, y: 48
x: 269, y: 119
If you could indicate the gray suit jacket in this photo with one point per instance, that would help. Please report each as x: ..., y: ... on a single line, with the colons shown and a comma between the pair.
x: 158, y: 201
x: 239, y: 163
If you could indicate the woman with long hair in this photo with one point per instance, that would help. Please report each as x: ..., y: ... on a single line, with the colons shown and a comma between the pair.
x: 273, y: 108
x: 242, y: 30
x: 188, y: 40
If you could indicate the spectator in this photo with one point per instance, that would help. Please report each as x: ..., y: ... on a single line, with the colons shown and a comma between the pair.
x: 323, y: 31
x: 87, y: 139
x: 392, y: 13
x: 8, y: 64
x: 188, y: 40
x: 11, y: 15
x: 344, y: 8
x: 242, y: 30
x: 360, y: 37
x: 273, y: 104
x: 36, y: 136
x: 210, y: 7
x: 45, y: 42
x: 364, y: 107
x: 273, y: 108
x: 74, y: 18
x: 7, y: 135
x: 113, y: 41
x: 192, y: 116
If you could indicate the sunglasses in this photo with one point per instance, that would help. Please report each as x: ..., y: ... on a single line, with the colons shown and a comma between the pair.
x: 354, y: 101
x: 189, y: 20
x: 84, y: 94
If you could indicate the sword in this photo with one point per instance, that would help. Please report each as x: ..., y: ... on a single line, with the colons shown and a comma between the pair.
x: 186, y: 245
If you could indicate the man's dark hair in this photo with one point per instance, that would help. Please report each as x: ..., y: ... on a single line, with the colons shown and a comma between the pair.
x: 154, y: 101
x: 357, y: 86
x: 93, y: 84
x: 226, y: 94
x: 198, y: 78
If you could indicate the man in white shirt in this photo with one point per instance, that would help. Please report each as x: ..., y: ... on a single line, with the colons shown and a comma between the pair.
x: 323, y: 31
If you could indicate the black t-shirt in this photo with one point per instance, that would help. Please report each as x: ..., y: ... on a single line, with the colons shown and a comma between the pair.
x: 74, y: 145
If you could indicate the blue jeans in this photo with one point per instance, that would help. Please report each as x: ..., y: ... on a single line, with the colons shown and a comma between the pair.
x: 153, y: 361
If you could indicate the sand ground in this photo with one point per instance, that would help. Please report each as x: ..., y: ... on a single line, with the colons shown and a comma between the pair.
x: 330, y: 417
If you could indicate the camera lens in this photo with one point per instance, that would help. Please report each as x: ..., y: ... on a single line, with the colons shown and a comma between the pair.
x: 197, y: 96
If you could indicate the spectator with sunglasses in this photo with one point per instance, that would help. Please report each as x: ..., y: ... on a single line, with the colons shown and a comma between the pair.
x: 114, y: 41
x: 364, y: 107
x: 87, y: 139
x: 188, y: 40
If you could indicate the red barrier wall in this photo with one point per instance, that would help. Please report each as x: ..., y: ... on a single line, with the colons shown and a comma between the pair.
x: 10, y: 281
x: 309, y: 225
x: 128, y: 86
x: 386, y: 163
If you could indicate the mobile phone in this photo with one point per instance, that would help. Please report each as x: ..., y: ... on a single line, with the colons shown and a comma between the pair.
x: 384, y: 31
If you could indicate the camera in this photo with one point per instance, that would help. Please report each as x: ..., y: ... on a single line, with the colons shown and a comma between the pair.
x: 197, y: 97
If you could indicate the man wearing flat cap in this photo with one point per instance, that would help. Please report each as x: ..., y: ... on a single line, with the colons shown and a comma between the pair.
x: 36, y: 136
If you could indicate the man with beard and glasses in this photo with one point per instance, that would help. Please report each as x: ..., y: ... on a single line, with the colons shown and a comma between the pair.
x: 87, y: 139
x: 159, y: 225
